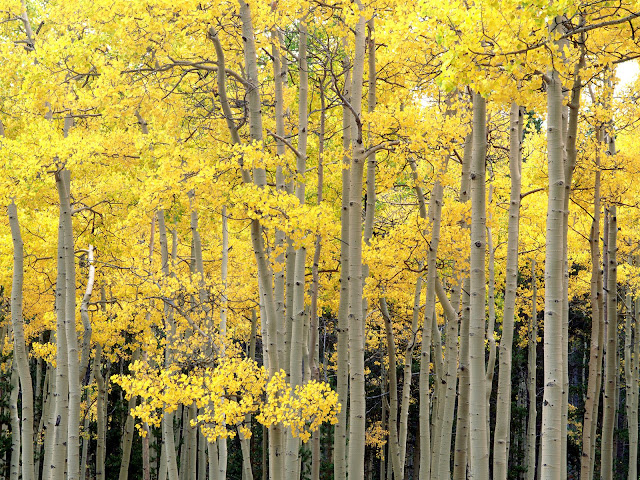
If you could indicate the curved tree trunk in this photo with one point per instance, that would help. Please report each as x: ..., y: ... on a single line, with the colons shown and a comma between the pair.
x: 20, y: 353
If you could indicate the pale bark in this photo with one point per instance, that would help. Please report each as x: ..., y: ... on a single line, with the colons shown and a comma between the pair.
x: 569, y: 141
x: 434, y: 215
x: 503, y: 407
x: 531, y: 377
x: 20, y: 352
x: 357, y: 400
x: 167, y: 419
x: 14, y: 415
x: 127, y: 436
x: 461, y: 446
x: 479, y: 451
x: 297, y: 314
x: 611, y: 364
x: 553, y: 358
x: 460, y: 458
x: 437, y: 400
x: 407, y: 369
x: 84, y: 315
x: 340, y: 442
x: 631, y: 386
x: 54, y: 467
x: 394, y: 450
x: 450, y: 378
x: 279, y: 75
x: 314, y: 344
x: 63, y: 181
x: 491, y: 321
x: 101, y: 447
x: 595, y: 349
x: 84, y: 467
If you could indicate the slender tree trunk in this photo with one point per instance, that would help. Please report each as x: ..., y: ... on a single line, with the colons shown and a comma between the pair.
x: 407, y: 372
x: 168, y: 442
x: 611, y: 365
x: 461, y: 446
x: 315, y: 287
x: 503, y: 406
x: 127, y: 437
x: 595, y: 349
x: 532, y: 366
x: 55, y: 464
x: 101, y: 447
x: 479, y: 451
x: 449, y: 378
x: 340, y: 442
x: 14, y: 414
x: 84, y: 468
x: 357, y: 400
x: 460, y: 457
x: 553, y: 358
x: 394, y: 450
x: 631, y: 385
x: 63, y: 180
x: 20, y: 353
x: 434, y: 215
x: 292, y: 460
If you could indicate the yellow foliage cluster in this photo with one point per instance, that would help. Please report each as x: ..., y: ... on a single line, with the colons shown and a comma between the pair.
x: 226, y: 394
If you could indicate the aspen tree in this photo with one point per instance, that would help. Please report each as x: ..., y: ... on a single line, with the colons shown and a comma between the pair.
x: 340, y: 443
x: 169, y: 448
x: 479, y: 451
x: 611, y: 366
x: 86, y: 322
x: 20, y: 357
x: 631, y: 385
x: 532, y: 376
x: 101, y: 401
x: 434, y: 217
x: 570, y: 133
x: 357, y: 401
x: 450, y: 375
x: 551, y: 449
x: 408, y: 357
x: 298, y: 313
x: 394, y: 449
x: 14, y: 466
x: 127, y: 437
x: 595, y: 349
x: 503, y: 406
x: 315, y: 286
x: 461, y: 446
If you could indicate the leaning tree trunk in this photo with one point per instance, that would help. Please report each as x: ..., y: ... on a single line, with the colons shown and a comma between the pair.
x: 20, y: 354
